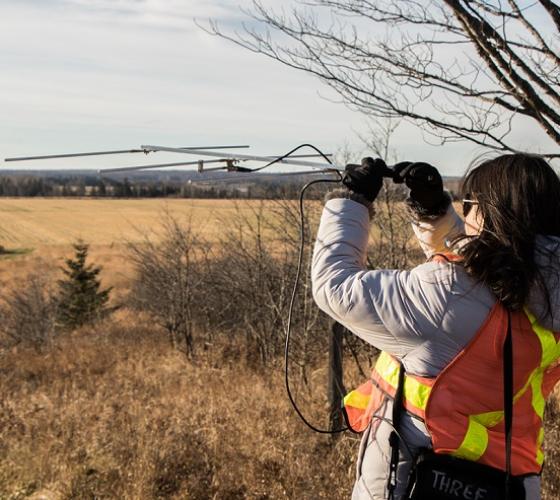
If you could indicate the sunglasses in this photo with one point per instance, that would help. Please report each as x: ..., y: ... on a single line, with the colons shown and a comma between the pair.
x: 468, y: 202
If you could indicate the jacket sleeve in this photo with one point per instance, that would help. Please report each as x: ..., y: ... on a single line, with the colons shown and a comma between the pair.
x: 433, y: 232
x: 393, y: 310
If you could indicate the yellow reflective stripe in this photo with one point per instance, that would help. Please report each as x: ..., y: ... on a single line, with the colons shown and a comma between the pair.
x: 549, y: 355
x: 388, y: 369
x: 489, y: 419
x: 474, y: 443
x: 550, y: 352
x: 357, y: 399
x: 524, y: 388
x: 416, y: 393
x: 550, y: 349
x: 540, y: 453
x: 537, y: 400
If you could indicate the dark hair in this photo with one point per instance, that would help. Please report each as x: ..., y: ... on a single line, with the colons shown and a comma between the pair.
x: 518, y: 197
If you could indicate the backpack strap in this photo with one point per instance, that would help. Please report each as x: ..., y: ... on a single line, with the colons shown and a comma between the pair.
x: 394, y: 437
x: 508, y: 401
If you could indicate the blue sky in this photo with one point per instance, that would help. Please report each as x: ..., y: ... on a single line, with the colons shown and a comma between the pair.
x: 103, y: 74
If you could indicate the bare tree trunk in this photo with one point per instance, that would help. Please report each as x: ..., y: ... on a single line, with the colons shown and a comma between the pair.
x: 335, y: 384
x: 189, y: 341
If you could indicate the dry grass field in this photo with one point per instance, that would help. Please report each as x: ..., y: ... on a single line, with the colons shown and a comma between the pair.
x: 115, y: 412
x: 41, y: 222
x: 36, y: 231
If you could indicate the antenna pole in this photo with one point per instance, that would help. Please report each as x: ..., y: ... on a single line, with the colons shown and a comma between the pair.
x: 143, y: 149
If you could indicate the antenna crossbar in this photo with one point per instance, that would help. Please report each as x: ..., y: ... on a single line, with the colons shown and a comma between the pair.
x: 158, y: 165
x: 200, y: 163
x: 143, y: 149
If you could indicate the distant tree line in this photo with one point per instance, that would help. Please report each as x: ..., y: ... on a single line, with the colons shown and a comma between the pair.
x: 95, y: 187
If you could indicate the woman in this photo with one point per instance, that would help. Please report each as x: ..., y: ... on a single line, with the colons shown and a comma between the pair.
x: 504, y: 256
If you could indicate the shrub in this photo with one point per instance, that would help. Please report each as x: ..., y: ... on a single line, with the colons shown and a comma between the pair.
x: 80, y: 298
x: 168, y: 283
x: 28, y: 312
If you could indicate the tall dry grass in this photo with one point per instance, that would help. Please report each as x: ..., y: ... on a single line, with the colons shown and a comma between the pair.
x: 115, y: 412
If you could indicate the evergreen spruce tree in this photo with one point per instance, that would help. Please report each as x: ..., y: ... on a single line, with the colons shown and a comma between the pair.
x: 80, y: 299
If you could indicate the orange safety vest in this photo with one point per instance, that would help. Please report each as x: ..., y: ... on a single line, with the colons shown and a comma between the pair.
x: 463, y: 406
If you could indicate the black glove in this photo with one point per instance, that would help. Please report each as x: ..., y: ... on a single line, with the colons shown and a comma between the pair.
x: 427, y: 196
x: 367, y: 178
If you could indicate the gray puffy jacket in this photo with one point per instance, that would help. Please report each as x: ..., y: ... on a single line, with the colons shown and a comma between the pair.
x: 424, y: 317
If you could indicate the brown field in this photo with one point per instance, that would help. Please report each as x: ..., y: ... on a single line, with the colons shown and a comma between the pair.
x: 40, y: 222
x: 39, y: 230
x: 115, y: 412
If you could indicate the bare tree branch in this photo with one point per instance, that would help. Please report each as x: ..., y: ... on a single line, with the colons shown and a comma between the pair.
x: 458, y: 69
x: 553, y: 10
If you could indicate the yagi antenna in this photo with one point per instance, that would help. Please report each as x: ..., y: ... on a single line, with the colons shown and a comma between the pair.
x: 229, y: 159
x: 201, y: 152
x: 199, y: 163
x: 144, y: 149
